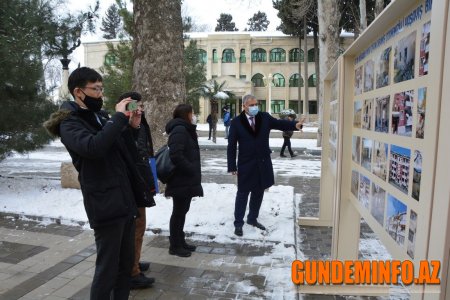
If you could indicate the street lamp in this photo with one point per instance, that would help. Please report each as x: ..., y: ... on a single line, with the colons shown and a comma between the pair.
x: 268, y: 81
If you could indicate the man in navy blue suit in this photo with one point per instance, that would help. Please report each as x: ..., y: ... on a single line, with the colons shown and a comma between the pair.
x: 251, y: 129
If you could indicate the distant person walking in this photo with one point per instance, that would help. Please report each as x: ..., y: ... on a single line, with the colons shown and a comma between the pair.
x: 251, y: 130
x: 227, y: 121
x: 210, y: 125
x: 185, y: 183
x: 287, y: 139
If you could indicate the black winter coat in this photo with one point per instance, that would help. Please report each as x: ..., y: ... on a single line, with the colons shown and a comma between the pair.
x: 185, y: 155
x: 109, y: 181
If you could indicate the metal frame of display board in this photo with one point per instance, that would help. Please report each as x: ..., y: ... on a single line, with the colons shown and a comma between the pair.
x: 392, y: 166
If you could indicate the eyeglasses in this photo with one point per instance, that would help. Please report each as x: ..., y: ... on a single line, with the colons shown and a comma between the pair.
x: 97, y: 89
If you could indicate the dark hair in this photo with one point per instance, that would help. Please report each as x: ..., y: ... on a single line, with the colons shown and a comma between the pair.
x: 182, y: 111
x: 133, y: 95
x: 81, y: 76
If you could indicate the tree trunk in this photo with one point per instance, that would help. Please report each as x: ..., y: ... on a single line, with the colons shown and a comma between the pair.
x: 362, y: 15
x: 214, y: 118
x: 328, y: 15
x: 158, y: 61
x: 306, y: 100
x: 379, y: 6
x: 300, y: 108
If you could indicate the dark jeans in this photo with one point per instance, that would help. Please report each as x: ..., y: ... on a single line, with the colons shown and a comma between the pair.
x: 180, y: 208
x: 287, y: 142
x: 115, y: 256
x: 240, y: 206
x: 210, y: 129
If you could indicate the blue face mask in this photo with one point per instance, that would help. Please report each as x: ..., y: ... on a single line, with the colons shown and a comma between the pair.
x: 253, y: 110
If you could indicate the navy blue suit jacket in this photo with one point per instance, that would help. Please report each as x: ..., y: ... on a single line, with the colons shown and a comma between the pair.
x: 254, y: 165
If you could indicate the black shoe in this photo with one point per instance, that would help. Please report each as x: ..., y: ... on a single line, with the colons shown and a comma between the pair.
x: 179, y: 251
x: 257, y: 225
x: 282, y: 155
x: 141, y: 281
x: 238, y: 231
x: 189, y: 247
x: 293, y: 155
x: 144, y: 266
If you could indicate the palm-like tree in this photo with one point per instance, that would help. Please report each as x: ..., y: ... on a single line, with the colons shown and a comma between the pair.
x: 214, y: 91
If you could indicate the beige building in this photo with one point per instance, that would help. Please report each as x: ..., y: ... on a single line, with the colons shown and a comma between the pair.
x: 248, y: 61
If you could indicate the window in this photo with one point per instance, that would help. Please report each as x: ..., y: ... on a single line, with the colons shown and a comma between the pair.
x: 312, y: 81
x: 277, y: 55
x: 312, y: 104
x: 243, y: 77
x: 278, y: 80
x: 257, y: 80
x: 110, y: 59
x: 214, y: 76
x: 228, y: 56
x: 242, y: 58
x: 294, y: 55
x: 262, y: 105
x: 202, y: 55
x: 259, y: 55
x: 311, y: 55
x: 293, y: 104
x: 277, y: 106
x: 295, y: 80
x: 215, y: 58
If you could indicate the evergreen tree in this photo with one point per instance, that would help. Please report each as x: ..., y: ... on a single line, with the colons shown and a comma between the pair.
x: 111, y: 23
x: 194, y: 74
x: 258, y: 22
x: 24, y: 29
x: 224, y: 23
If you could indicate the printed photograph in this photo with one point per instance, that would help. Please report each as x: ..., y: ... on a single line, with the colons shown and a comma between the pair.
x: 357, y: 113
x: 424, y: 49
x: 417, y: 174
x: 358, y: 80
x: 368, y: 75
x: 382, y: 114
x: 334, y: 110
x: 383, y: 68
x: 332, y: 153
x: 412, y: 233
x: 421, y: 106
x: 402, y: 113
x: 366, y: 153
x: 396, y: 219
x: 399, y: 168
x: 377, y: 206
x: 364, y: 191
x: 404, y: 57
x: 356, y: 149
x: 380, y: 159
x: 355, y: 183
x: 333, y: 133
x: 367, y: 114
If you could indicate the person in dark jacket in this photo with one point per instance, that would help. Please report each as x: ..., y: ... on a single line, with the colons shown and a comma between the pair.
x: 109, y: 181
x: 287, y: 139
x: 185, y: 182
x: 140, y: 144
x: 209, y: 121
x: 251, y: 129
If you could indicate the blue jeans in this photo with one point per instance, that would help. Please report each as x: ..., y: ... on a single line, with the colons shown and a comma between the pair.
x: 240, y: 206
x: 227, y: 130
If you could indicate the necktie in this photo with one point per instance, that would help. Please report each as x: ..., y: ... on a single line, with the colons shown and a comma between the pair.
x: 252, y: 123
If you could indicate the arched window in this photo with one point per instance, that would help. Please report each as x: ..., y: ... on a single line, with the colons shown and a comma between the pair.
x: 277, y: 55
x: 296, y: 80
x: 259, y: 55
x: 242, y: 56
x: 228, y: 56
x: 257, y: 80
x: 311, y: 55
x: 110, y: 59
x: 278, y: 80
x: 312, y: 81
x: 294, y: 54
x: 215, y: 57
x: 202, y: 55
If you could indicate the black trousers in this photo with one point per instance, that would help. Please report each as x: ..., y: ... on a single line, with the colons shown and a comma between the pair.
x: 287, y: 142
x: 115, y: 257
x: 181, y: 206
x: 240, y: 205
x: 210, y: 129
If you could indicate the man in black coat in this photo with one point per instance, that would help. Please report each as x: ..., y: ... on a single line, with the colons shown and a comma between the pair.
x: 109, y: 181
x: 251, y: 129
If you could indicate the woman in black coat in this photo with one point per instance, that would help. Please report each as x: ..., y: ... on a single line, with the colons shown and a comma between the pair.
x: 185, y: 183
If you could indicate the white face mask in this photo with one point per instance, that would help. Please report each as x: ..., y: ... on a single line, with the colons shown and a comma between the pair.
x: 194, y: 119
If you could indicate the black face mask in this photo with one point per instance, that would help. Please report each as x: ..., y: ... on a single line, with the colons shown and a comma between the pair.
x: 93, y: 104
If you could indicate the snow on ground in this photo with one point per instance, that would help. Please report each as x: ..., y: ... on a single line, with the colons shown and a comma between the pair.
x: 221, y: 127
x: 273, y: 142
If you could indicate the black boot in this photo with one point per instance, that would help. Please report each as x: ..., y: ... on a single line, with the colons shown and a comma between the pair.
x: 176, y: 247
x: 188, y: 246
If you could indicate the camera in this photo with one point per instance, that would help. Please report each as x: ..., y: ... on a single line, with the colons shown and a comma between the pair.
x: 132, y: 106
